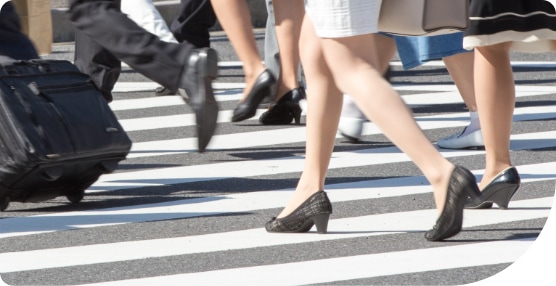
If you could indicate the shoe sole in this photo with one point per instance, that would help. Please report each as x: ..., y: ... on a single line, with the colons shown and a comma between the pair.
x: 462, y: 148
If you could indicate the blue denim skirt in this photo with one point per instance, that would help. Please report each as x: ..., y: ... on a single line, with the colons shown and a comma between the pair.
x: 414, y: 51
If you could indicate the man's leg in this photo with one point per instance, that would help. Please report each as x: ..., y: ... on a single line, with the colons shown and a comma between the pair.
x: 177, y: 66
x: 193, y: 22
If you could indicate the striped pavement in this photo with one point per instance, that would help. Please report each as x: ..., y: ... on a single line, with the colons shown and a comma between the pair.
x: 171, y: 216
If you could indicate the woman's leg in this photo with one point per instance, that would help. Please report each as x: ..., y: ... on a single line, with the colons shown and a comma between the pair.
x: 495, y: 89
x: 355, y: 75
x: 460, y: 67
x: 325, y: 102
x: 235, y: 18
x: 288, y: 16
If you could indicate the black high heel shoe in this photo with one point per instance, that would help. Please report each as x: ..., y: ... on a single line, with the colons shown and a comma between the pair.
x: 499, y: 191
x: 261, y: 88
x: 285, y: 109
x: 315, y: 210
x: 462, y: 185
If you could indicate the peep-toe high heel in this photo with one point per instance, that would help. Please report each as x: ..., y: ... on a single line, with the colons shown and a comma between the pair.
x: 499, y: 191
x: 462, y: 186
x: 261, y: 88
x: 315, y: 210
x: 285, y: 109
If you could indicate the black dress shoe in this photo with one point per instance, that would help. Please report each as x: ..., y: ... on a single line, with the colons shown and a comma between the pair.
x: 499, y: 191
x: 315, y: 210
x: 163, y: 91
x: 462, y: 185
x: 201, y: 69
x: 285, y: 109
x: 261, y: 88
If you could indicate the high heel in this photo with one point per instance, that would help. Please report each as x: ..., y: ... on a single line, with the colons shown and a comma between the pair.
x: 261, y: 88
x: 315, y: 210
x: 285, y: 109
x: 499, y: 191
x: 461, y: 186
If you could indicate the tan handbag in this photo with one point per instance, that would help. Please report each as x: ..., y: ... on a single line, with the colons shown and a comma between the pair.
x: 423, y: 17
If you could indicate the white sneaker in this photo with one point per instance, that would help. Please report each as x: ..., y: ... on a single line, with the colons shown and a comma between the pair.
x: 351, y: 120
x: 351, y: 128
x: 472, y: 140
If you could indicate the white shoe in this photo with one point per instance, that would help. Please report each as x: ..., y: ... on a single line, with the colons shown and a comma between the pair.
x: 351, y: 128
x: 472, y: 140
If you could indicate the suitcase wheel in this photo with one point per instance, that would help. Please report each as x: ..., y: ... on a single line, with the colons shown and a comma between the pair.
x: 4, y: 202
x: 75, y: 196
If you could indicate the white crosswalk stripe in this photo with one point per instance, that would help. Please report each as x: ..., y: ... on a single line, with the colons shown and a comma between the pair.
x: 170, y: 216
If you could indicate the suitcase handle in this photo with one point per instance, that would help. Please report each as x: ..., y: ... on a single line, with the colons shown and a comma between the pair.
x: 42, y: 65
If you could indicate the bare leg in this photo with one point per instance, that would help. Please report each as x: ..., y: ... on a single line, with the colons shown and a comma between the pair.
x: 325, y: 101
x: 385, y: 49
x: 494, y: 85
x: 288, y: 16
x: 460, y: 67
x: 356, y: 76
x: 352, y: 119
x: 235, y: 18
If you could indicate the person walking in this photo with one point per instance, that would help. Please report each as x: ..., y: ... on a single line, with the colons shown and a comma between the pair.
x: 192, y: 24
x: 338, y: 58
x: 281, y: 56
x: 414, y: 52
x: 106, y: 36
x: 497, y: 27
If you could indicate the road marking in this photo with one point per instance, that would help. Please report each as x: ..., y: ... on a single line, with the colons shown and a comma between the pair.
x: 362, y: 226
x: 233, y: 203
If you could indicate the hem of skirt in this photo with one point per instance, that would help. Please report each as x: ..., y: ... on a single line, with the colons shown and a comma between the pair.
x: 345, y: 33
x: 538, y: 41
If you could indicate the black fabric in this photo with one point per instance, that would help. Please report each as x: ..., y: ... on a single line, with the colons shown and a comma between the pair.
x: 510, y: 15
x: 111, y: 31
x: 193, y: 22
x: 13, y: 43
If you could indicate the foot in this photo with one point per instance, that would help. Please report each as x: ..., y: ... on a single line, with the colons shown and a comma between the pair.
x: 285, y: 109
x: 351, y: 121
x: 461, y: 187
x: 463, y: 140
x: 247, y: 108
x: 351, y: 128
x: 201, y: 69
x: 163, y: 91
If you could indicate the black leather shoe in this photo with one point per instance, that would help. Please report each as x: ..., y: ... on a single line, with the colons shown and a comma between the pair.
x: 499, y: 191
x: 315, y: 210
x: 201, y: 69
x: 261, y: 88
x: 285, y: 109
x: 462, y: 185
x: 163, y: 91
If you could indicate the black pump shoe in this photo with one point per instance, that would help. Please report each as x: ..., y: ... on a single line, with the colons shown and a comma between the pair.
x: 315, y: 210
x: 499, y: 191
x: 261, y: 88
x: 195, y: 88
x: 285, y: 109
x: 462, y: 185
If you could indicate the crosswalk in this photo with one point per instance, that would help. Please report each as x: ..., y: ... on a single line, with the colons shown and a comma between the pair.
x: 171, y: 216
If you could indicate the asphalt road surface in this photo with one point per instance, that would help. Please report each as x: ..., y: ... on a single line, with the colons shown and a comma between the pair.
x: 171, y: 216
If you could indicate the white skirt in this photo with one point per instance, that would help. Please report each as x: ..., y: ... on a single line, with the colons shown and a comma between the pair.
x: 343, y: 18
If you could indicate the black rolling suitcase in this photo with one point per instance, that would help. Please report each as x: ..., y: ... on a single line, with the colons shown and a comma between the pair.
x: 57, y: 132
